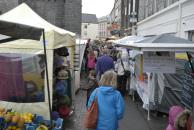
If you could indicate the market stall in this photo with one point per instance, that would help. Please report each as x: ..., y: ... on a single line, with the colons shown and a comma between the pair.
x: 158, y: 71
x: 27, y: 66
x: 80, y: 49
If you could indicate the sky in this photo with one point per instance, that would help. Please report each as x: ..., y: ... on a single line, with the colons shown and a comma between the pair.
x: 98, y: 7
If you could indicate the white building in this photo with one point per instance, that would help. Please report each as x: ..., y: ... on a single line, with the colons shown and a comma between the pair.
x: 89, y: 27
x: 103, y: 24
x: 176, y: 19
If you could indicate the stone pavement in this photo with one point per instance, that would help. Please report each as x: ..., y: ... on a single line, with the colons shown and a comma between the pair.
x: 135, y: 117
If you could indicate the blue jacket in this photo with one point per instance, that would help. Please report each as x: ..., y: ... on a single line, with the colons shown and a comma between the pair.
x: 110, y: 107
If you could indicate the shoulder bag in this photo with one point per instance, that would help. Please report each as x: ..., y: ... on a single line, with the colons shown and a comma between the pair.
x: 127, y: 73
x: 91, y: 116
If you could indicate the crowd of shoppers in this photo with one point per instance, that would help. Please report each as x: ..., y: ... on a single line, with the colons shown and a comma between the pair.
x: 107, y: 82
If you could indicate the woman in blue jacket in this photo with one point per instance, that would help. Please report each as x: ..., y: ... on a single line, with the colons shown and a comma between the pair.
x: 110, y: 102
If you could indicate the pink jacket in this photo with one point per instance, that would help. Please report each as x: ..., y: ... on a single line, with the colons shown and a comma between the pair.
x: 91, y: 62
x: 173, y: 113
x: 174, y: 116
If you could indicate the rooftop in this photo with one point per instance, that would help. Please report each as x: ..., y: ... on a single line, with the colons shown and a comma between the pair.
x: 89, y: 18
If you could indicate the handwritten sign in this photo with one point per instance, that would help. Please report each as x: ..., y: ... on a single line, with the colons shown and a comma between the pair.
x: 159, y: 62
x: 187, y: 90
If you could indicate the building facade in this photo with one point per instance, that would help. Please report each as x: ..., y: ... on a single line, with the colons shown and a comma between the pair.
x: 123, y: 17
x: 62, y: 13
x: 115, y: 18
x: 103, y: 30
x: 89, y: 26
x: 174, y: 17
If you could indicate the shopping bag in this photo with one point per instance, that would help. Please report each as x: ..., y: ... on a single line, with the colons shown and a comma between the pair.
x: 91, y: 116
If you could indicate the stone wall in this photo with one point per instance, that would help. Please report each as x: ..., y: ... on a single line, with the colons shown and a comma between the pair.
x: 6, y: 5
x: 73, y: 9
x: 62, y: 13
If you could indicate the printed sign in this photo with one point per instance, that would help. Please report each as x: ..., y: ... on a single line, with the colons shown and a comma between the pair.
x: 187, y: 90
x: 159, y: 62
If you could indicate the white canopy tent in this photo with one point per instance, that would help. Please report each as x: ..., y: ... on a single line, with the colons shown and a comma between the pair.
x: 128, y: 40
x: 160, y: 43
x: 55, y: 38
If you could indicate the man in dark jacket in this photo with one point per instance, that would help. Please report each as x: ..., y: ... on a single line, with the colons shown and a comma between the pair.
x: 104, y: 63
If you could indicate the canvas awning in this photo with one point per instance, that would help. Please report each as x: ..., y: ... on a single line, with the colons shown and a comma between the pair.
x: 19, y: 31
x: 24, y: 18
x: 129, y: 39
x: 163, y: 42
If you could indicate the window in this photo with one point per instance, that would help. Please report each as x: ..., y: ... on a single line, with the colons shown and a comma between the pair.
x: 22, y: 77
x: 85, y: 26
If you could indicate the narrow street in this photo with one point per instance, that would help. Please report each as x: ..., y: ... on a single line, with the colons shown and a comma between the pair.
x: 135, y: 117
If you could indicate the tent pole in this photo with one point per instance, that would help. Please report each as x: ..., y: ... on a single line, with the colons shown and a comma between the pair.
x: 190, y: 62
x: 47, y: 79
x: 149, y: 80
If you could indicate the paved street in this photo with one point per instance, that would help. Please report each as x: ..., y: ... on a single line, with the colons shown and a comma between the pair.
x: 135, y: 116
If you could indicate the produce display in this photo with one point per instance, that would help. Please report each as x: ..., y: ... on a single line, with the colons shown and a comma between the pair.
x: 12, y: 120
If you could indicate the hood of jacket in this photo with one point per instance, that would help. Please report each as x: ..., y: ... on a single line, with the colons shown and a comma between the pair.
x: 106, y: 90
x: 173, y: 113
x: 179, y: 117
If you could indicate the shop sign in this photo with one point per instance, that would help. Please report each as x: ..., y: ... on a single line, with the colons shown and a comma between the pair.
x: 159, y: 62
x: 187, y: 90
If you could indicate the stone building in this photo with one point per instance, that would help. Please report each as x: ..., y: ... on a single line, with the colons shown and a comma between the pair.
x: 62, y: 13
x: 103, y: 27
x: 89, y: 27
x: 121, y: 18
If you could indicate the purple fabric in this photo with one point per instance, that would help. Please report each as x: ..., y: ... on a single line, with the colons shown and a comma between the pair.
x: 55, y: 115
x: 104, y: 63
x: 173, y: 113
x: 11, y: 78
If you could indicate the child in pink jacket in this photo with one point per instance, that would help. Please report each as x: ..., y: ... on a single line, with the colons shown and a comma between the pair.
x: 91, y: 61
x: 179, y: 119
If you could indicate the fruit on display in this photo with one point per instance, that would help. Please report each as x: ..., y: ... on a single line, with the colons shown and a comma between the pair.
x: 13, y: 128
x: 12, y: 120
x: 21, y: 122
x: 28, y: 117
x: 2, y: 110
x: 7, y: 117
x: 15, y: 119
x: 42, y: 127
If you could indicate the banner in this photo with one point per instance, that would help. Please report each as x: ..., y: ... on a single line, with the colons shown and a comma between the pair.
x: 159, y: 62
x: 187, y: 90
x: 188, y: 86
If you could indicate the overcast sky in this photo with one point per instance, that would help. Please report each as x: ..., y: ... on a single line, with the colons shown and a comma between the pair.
x: 98, y: 7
